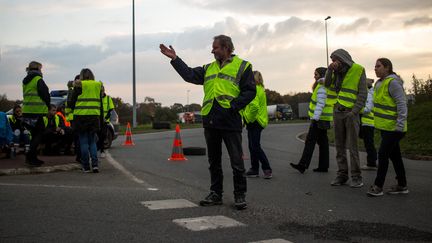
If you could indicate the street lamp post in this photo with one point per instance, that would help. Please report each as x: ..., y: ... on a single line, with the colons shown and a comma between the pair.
x: 327, y: 55
x: 133, y: 67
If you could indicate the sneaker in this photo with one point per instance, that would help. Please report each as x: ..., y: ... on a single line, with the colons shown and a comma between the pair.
x: 102, y: 155
x: 396, y: 189
x: 95, y: 169
x: 86, y: 170
x: 251, y: 173
x: 300, y: 167
x: 320, y: 170
x: 240, y: 202
x: 375, y: 191
x: 368, y: 167
x: 356, y: 182
x: 267, y: 174
x: 212, y: 199
x: 339, y: 181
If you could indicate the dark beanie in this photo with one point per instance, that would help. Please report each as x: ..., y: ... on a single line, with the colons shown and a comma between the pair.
x: 321, y: 71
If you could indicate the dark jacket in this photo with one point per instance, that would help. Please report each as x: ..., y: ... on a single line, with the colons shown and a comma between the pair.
x: 42, y: 90
x: 84, y: 123
x: 219, y: 117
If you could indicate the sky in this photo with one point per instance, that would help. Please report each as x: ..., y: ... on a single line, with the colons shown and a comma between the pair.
x: 284, y: 39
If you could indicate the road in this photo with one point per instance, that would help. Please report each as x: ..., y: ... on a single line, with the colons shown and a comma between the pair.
x: 111, y: 206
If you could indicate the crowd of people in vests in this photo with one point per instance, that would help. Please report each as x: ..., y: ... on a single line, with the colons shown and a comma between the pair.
x: 76, y: 127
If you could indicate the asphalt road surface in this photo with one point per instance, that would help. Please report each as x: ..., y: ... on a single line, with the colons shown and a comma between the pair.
x: 124, y: 203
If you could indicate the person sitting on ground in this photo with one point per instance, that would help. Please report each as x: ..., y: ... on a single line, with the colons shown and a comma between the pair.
x: 52, y: 131
x: 21, y: 136
x: 67, y: 140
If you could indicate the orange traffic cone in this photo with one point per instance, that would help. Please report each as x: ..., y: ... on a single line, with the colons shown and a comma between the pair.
x: 128, y: 134
x: 177, y: 151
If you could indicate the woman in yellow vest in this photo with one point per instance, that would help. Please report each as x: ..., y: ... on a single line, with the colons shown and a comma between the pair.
x: 390, y: 113
x: 86, y: 106
x: 321, y: 114
x: 256, y: 118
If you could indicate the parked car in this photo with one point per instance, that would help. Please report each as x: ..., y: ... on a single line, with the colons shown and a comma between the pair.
x: 58, y: 98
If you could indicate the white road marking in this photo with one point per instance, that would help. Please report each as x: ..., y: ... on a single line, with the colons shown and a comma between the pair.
x: 168, y: 204
x: 207, y: 223
x: 272, y: 241
x: 120, y: 167
x: 69, y: 187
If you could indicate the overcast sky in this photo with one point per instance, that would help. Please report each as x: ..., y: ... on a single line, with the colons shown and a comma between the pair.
x: 284, y: 39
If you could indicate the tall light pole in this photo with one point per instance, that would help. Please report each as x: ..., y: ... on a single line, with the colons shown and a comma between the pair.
x: 327, y: 55
x: 134, y: 117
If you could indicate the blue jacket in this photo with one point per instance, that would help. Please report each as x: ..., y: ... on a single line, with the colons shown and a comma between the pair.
x: 6, y: 135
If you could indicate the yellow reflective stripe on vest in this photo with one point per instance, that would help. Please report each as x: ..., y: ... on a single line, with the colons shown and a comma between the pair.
x: 222, y: 84
x: 89, y: 102
x: 32, y: 103
x: 56, y: 120
x: 385, y: 110
x: 347, y: 95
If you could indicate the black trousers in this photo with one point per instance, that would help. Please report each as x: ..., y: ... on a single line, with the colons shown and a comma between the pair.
x: 256, y: 152
x: 367, y: 134
x: 389, y: 149
x: 233, y: 143
x: 101, y: 137
x: 318, y: 136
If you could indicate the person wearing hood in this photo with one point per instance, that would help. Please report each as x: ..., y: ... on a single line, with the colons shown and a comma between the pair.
x: 391, y: 112
x: 36, y: 101
x: 348, y: 80
x: 320, y: 114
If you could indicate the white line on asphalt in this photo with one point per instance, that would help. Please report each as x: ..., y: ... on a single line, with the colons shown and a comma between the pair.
x: 298, y: 137
x: 168, y: 204
x: 207, y: 223
x: 273, y: 241
x: 46, y: 185
x: 120, y: 167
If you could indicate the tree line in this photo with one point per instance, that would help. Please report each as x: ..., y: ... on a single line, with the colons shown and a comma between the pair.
x: 150, y: 110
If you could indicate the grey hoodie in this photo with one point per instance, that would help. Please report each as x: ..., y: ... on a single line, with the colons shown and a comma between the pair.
x: 397, y: 92
x: 347, y: 62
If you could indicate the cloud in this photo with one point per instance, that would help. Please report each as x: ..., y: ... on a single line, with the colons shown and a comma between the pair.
x: 298, y: 8
x: 353, y: 27
x: 424, y: 20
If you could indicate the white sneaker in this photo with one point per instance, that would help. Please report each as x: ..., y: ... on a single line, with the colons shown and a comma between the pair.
x: 103, y: 155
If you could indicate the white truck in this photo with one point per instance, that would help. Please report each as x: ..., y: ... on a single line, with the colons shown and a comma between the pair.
x: 303, y: 109
x: 279, y: 112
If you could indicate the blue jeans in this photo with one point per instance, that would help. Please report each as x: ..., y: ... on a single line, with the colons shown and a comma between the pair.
x: 21, y: 138
x: 256, y: 152
x: 88, y: 144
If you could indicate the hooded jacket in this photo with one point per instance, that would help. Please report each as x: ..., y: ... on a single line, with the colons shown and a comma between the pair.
x: 345, y: 58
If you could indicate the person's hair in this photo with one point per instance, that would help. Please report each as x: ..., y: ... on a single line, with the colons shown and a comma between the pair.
x: 52, y: 106
x: 387, y: 64
x: 33, y: 65
x: 321, y: 72
x: 86, y: 74
x: 77, y: 77
x: 258, y: 78
x: 16, y: 106
x: 225, y: 41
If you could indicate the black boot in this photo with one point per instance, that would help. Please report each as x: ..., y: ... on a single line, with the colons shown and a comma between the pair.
x: 300, y: 167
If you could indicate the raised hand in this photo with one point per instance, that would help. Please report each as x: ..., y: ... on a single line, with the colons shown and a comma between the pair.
x: 169, y: 52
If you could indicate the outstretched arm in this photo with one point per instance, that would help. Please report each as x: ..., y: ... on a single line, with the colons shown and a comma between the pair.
x: 169, y: 52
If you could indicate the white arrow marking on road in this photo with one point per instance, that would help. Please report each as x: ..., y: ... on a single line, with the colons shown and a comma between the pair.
x: 207, y: 223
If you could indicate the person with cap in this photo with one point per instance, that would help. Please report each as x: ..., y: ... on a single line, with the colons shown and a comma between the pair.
x: 36, y: 101
x: 228, y: 87
x: 321, y: 115
x: 348, y: 80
